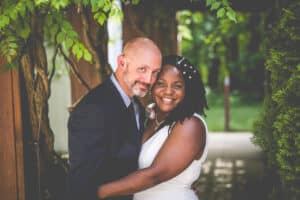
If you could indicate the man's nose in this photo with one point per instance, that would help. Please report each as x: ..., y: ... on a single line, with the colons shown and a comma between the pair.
x: 148, y: 78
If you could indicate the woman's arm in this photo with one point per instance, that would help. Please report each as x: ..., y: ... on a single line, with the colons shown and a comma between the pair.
x: 184, y: 145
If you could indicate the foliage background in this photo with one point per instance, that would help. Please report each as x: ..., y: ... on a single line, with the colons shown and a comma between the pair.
x: 278, y: 130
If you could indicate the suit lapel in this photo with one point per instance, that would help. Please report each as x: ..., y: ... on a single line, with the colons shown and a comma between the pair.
x: 128, y: 117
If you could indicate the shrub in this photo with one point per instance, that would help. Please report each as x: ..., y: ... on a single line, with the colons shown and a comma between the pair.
x: 278, y: 131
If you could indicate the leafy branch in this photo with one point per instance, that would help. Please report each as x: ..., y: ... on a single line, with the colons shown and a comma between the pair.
x: 222, y: 8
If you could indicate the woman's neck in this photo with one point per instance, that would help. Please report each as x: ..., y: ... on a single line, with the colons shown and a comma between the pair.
x: 160, y: 116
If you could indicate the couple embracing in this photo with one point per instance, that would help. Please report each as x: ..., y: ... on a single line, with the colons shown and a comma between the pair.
x: 118, y: 153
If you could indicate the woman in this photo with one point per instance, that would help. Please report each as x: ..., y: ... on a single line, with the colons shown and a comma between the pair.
x: 175, y: 141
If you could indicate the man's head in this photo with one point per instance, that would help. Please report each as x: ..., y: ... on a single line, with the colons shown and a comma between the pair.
x: 138, y: 66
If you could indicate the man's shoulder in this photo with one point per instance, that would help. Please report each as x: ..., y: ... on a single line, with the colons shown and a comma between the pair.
x: 101, y: 97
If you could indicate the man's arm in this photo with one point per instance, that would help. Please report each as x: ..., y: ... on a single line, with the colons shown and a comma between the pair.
x: 88, y: 149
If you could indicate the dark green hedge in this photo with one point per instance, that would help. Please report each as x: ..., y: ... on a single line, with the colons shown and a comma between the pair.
x: 278, y: 131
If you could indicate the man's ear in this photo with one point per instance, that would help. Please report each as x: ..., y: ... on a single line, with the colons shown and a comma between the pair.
x: 121, y: 61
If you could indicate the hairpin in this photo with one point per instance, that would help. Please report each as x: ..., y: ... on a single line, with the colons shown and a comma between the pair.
x: 180, y: 60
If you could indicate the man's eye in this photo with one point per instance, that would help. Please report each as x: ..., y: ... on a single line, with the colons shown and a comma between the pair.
x: 142, y: 69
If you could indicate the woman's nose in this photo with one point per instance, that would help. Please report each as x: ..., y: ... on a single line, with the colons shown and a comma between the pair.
x: 169, y: 90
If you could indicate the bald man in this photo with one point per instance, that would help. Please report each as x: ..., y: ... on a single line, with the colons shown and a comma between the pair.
x: 105, y: 127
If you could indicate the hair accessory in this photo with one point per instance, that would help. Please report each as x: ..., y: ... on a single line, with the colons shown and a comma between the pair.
x: 181, y: 61
x: 150, y: 110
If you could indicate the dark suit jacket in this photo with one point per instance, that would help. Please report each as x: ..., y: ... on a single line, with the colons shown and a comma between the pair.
x: 104, y: 142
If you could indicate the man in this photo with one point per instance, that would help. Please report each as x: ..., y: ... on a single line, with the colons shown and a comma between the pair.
x: 105, y: 128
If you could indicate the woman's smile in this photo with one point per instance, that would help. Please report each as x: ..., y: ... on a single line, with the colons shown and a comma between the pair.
x: 169, y: 90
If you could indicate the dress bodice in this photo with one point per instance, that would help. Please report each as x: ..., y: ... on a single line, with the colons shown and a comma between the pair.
x: 178, y: 187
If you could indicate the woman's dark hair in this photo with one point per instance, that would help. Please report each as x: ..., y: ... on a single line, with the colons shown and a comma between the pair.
x: 194, y: 100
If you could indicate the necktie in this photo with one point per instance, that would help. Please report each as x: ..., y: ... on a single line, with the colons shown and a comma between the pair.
x: 132, y: 113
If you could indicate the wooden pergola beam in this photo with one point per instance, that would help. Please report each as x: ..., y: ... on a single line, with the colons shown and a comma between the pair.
x: 199, y: 5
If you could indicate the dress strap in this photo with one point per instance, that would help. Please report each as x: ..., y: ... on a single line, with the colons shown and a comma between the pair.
x: 205, y: 151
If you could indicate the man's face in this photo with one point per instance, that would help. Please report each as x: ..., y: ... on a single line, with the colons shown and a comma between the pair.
x: 140, y: 72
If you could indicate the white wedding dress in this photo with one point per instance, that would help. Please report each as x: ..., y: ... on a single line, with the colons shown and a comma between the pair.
x: 177, y: 188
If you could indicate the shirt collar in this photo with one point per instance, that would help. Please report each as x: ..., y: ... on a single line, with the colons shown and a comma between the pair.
x: 124, y: 96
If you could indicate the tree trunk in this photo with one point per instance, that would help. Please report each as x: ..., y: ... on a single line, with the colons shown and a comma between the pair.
x: 256, y: 72
x: 38, y: 135
x: 95, y: 38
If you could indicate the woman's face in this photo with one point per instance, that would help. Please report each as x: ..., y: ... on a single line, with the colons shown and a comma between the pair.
x: 169, y: 89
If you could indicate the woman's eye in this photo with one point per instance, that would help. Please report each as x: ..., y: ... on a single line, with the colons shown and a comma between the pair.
x: 159, y: 83
x: 178, y: 86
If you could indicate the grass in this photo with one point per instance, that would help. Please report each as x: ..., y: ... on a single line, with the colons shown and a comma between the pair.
x: 242, y: 113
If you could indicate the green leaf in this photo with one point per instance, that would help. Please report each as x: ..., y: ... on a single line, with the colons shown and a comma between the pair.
x: 10, y: 39
x: 225, y: 3
x: 69, y: 43
x: 94, y: 3
x: 24, y: 33
x: 12, y: 52
x: 84, y: 2
x: 209, y: 2
x: 67, y: 26
x: 22, y: 10
x: 79, y: 54
x: 13, y: 45
x: 221, y: 13
x: 231, y: 15
x: 135, y: 2
x: 87, y: 56
x: 4, y: 20
x: 101, y: 19
x: 8, y: 58
x: 185, y: 32
x: 60, y: 37
x: 107, y: 6
x: 30, y: 5
x: 215, y: 5
x: 100, y: 3
x: 7, y: 67
x: 13, y: 14
x: 53, y: 30
x: 75, y: 49
x: 72, y: 34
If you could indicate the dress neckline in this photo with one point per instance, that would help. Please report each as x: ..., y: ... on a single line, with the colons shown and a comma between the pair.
x: 154, y: 135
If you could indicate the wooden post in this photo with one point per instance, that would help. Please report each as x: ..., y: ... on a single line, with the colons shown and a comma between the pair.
x: 226, y: 103
x: 11, y: 137
x: 153, y: 19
